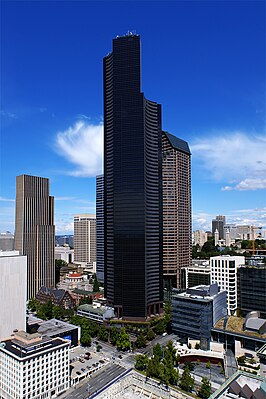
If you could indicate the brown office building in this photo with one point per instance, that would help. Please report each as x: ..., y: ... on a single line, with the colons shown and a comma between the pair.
x: 177, y: 249
x: 34, y: 235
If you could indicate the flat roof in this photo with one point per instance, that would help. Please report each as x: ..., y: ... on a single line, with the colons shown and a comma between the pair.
x: 235, y: 325
x: 52, y: 326
x: 92, y: 309
x: 14, y: 347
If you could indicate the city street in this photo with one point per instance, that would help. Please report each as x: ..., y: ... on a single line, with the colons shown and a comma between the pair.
x: 95, y: 383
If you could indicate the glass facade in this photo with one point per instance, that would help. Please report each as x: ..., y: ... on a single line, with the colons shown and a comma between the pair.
x: 251, y: 281
x: 132, y: 186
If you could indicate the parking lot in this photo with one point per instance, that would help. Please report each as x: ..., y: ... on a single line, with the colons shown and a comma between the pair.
x: 82, y: 366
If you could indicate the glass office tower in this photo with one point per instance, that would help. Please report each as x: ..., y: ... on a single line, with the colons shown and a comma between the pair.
x: 132, y: 186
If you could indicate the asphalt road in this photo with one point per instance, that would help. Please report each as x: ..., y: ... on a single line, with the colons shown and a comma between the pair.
x: 98, y: 381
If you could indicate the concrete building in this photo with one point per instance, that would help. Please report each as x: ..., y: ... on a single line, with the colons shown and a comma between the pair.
x: 196, y: 275
x: 34, y: 235
x: 32, y: 366
x: 57, y: 328
x: 67, y: 240
x: 85, y: 240
x: 241, y: 385
x: 64, y: 253
x: 100, y: 227
x: 224, y: 273
x: 243, y: 232
x: 13, y: 292
x: 232, y: 229
x: 196, y: 311
x: 6, y: 241
x: 177, y: 240
x: 251, y: 289
x: 199, y: 237
x: 96, y: 312
x: 218, y: 223
x: 132, y: 186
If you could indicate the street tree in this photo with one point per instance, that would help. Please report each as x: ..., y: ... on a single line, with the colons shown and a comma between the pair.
x: 205, y: 390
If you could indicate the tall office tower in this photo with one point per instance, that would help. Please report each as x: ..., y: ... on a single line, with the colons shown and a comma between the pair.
x: 218, y: 223
x: 177, y: 243
x: 34, y: 235
x: 224, y: 273
x: 85, y: 240
x: 100, y: 227
x: 13, y: 292
x: 132, y: 186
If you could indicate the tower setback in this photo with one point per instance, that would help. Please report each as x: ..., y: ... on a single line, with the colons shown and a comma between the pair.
x: 132, y: 186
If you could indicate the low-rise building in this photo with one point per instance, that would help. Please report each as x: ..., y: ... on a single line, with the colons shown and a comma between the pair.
x: 96, y: 312
x: 241, y: 385
x: 56, y: 328
x: 33, y: 367
x: 197, y: 274
x: 64, y: 253
x: 196, y: 311
x: 57, y: 297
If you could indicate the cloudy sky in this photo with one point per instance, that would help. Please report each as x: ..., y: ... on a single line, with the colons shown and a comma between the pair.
x: 204, y: 61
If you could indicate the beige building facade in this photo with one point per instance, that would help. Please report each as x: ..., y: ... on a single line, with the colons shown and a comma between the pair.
x: 35, y: 231
x: 85, y: 240
x: 177, y: 236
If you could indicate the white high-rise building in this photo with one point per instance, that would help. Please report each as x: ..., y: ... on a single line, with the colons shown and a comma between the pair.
x: 33, y: 367
x: 85, y: 240
x: 199, y: 237
x: 13, y: 292
x: 224, y: 273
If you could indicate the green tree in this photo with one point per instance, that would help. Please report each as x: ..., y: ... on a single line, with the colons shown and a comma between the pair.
x: 141, y: 341
x: 150, y: 334
x: 96, y: 284
x: 187, y: 381
x: 123, y: 342
x: 60, y: 263
x: 205, y: 390
x: 103, y: 334
x: 208, y: 365
x: 157, y: 352
x: 57, y: 312
x: 141, y: 362
x: 114, y: 335
x: 33, y: 304
x: 85, y: 338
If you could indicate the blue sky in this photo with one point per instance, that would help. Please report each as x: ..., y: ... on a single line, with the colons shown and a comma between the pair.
x: 204, y: 61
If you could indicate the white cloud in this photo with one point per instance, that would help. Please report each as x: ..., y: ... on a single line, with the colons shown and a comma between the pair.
x: 252, y: 216
x: 8, y: 114
x: 3, y: 199
x: 236, y: 157
x: 64, y: 227
x: 82, y: 145
x: 64, y: 198
x: 247, y: 184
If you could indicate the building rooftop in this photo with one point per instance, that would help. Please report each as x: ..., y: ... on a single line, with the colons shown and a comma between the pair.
x: 52, y: 326
x: 92, y: 309
x: 236, y: 325
x: 243, y: 385
x: 56, y: 293
x: 23, y: 345
x: 200, y: 292
x: 178, y: 144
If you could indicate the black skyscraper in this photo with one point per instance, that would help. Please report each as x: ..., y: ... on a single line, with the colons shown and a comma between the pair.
x: 132, y: 184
